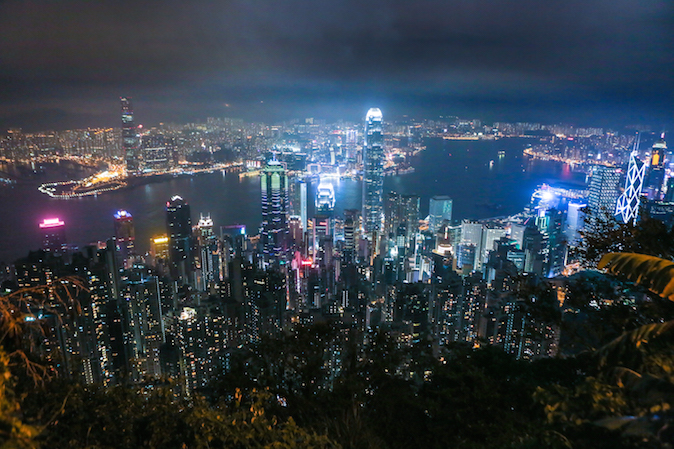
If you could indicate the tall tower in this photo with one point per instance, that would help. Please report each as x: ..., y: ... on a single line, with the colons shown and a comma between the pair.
x: 129, y: 137
x: 656, y: 175
x: 440, y: 209
x: 274, y: 190
x: 603, y: 195
x: 373, y: 166
x: 179, y: 230
x: 628, y: 203
x: 54, y: 235
x: 125, y: 236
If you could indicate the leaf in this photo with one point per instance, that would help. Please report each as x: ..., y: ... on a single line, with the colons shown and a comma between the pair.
x: 653, y: 273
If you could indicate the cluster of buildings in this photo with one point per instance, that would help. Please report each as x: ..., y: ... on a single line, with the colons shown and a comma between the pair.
x: 202, y: 291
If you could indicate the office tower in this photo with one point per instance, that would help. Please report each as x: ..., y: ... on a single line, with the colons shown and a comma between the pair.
x: 574, y: 221
x: 125, y: 237
x: 209, y: 254
x: 627, y: 207
x: 159, y: 247
x: 439, y: 209
x: 274, y: 188
x: 490, y: 234
x: 179, y: 230
x: 54, y: 235
x: 325, y: 198
x: 603, y: 195
x: 533, y: 242
x: 471, y: 233
x: 141, y: 308
x: 401, y: 211
x: 373, y: 167
x: 295, y: 230
x: 656, y: 172
x: 129, y: 138
x: 669, y: 194
x: 351, y: 225
x: 550, y: 224
x: 156, y: 153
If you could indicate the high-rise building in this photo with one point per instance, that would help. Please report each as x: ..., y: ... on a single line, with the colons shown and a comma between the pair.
x: 656, y: 172
x: 179, y: 230
x: 603, y: 195
x: 574, y: 220
x: 440, y: 209
x: 274, y: 187
x: 125, y: 237
x: 401, y: 211
x: 159, y: 247
x: 627, y: 207
x: 129, y: 137
x: 156, y: 153
x: 373, y: 167
x: 54, y: 235
x: 210, y: 260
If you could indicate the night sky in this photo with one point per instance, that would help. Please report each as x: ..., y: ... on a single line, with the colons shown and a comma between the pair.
x: 64, y: 64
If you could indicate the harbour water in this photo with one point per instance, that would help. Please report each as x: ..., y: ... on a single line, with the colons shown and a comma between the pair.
x: 485, y: 179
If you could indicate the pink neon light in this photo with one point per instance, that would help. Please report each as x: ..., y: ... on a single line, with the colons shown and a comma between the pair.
x: 51, y: 223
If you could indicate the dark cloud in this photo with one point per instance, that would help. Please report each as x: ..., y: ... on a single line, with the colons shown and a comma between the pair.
x: 185, y: 60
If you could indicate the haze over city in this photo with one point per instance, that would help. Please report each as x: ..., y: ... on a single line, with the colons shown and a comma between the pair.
x: 358, y: 225
x: 63, y: 65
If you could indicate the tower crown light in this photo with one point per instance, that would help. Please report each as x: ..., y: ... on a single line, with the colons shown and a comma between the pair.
x: 122, y: 214
x: 374, y: 114
x: 51, y: 223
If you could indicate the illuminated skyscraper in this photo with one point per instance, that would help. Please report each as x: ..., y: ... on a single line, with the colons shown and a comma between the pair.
x: 440, y: 208
x: 656, y: 172
x: 373, y: 167
x: 401, y: 216
x: 628, y: 203
x: 179, y: 230
x: 603, y: 195
x: 125, y: 236
x: 274, y: 189
x: 159, y: 247
x: 54, y: 235
x: 129, y: 137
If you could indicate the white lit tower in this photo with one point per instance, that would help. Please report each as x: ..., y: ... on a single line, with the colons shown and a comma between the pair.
x: 439, y: 209
x: 274, y: 190
x: 628, y: 203
x: 373, y: 167
x: 603, y: 195
x: 129, y: 137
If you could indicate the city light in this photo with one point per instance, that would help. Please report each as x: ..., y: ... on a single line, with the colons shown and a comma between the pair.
x: 51, y: 223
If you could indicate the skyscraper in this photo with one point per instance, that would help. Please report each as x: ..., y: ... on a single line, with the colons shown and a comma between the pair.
x: 373, y: 166
x: 603, y: 195
x: 627, y: 207
x: 129, y: 137
x: 54, y: 235
x: 179, y: 230
x: 274, y: 188
x: 401, y: 211
x: 125, y: 236
x: 440, y: 208
x: 656, y: 172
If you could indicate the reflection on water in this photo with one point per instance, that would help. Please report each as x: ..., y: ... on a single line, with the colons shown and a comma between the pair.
x: 460, y: 169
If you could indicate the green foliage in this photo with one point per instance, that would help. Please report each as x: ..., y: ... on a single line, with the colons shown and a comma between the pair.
x: 653, y: 273
x: 120, y: 417
x: 648, y: 236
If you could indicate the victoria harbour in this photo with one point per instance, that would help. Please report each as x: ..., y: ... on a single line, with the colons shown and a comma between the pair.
x: 486, y: 178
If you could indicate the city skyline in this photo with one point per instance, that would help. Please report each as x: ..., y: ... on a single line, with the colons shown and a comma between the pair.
x: 64, y: 66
